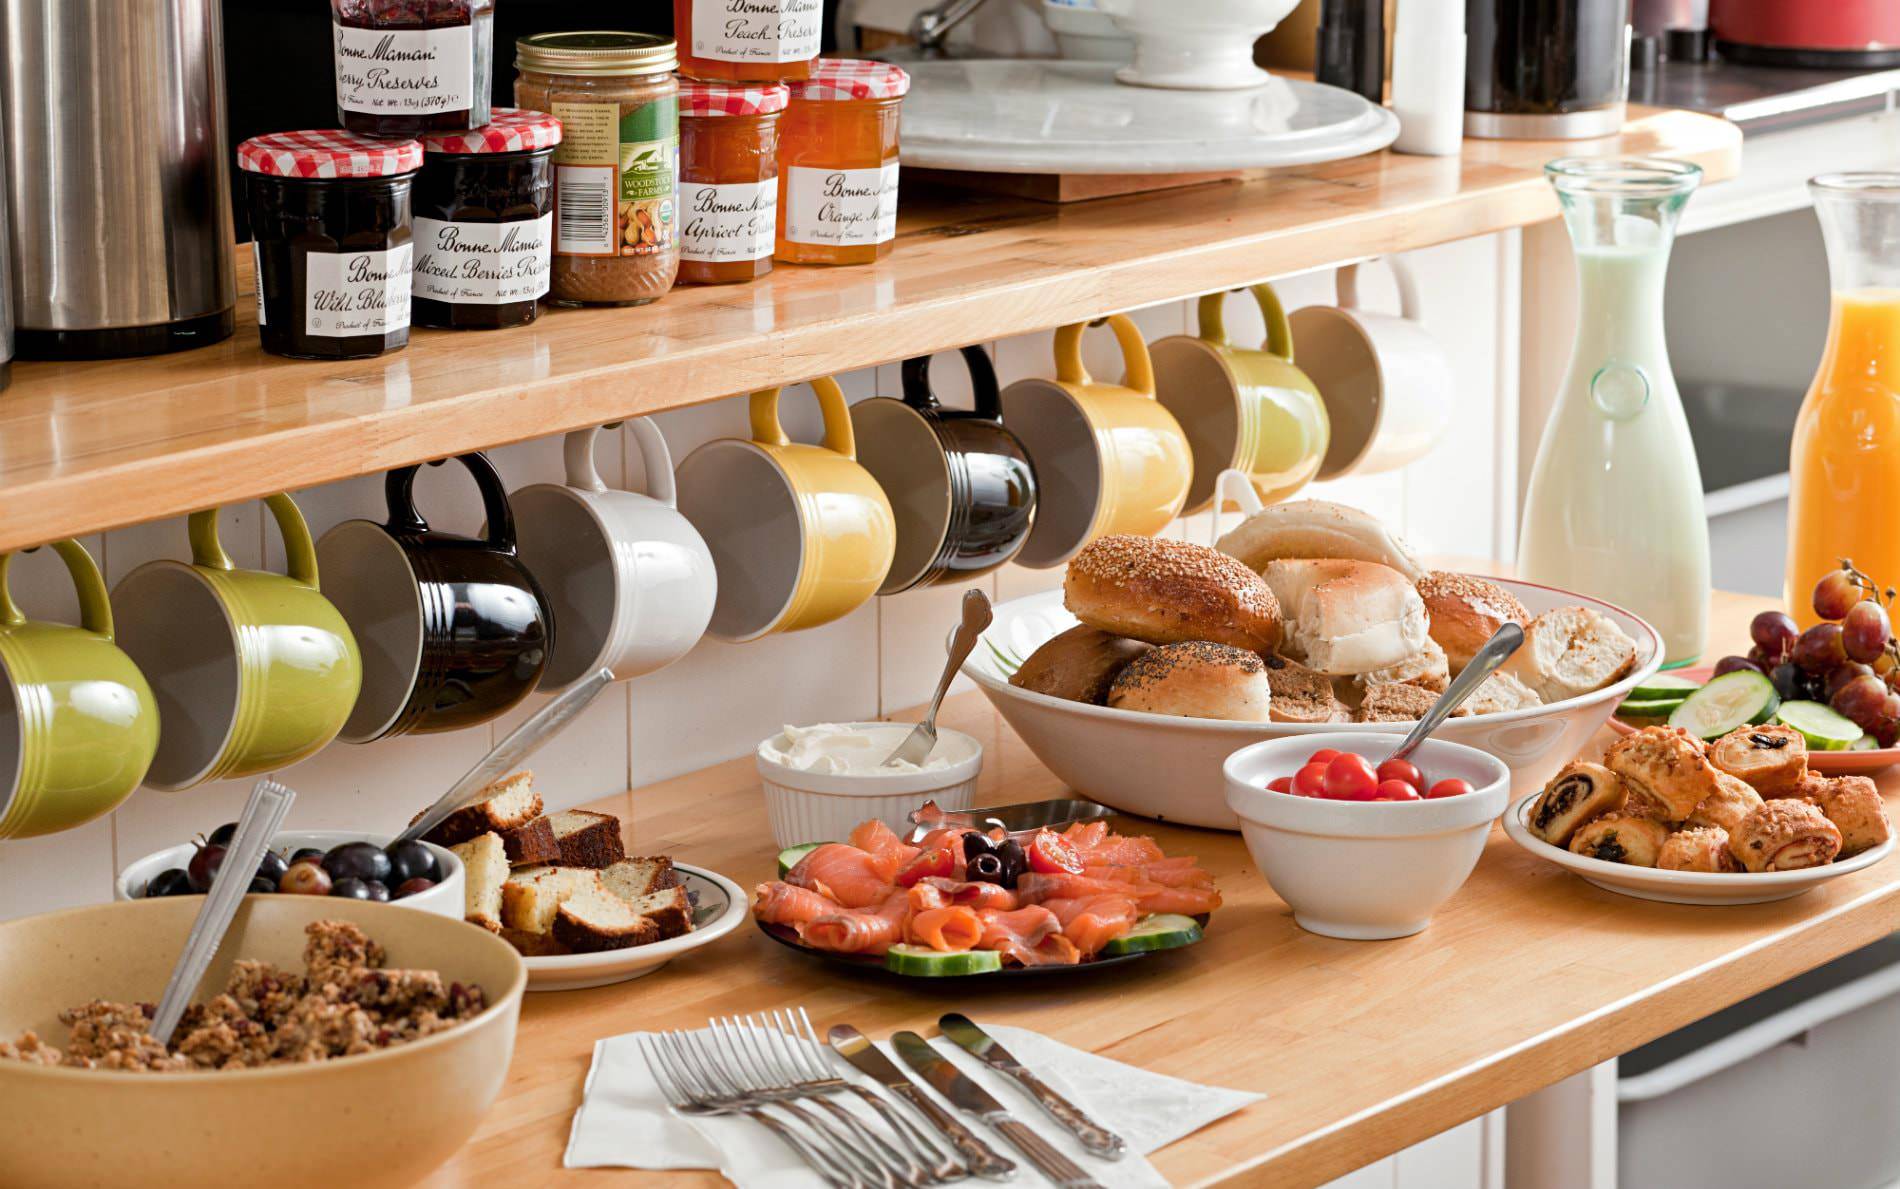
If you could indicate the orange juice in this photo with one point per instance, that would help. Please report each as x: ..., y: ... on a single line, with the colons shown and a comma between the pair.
x: 1845, y: 469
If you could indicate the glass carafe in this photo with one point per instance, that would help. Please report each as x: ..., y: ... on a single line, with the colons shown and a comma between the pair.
x: 1844, y: 469
x: 1614, y: 507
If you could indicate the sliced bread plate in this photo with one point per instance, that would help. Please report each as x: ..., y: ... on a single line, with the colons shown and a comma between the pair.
x: 1685, y: 887
x: 1844, y: 761
x: 719, y: 905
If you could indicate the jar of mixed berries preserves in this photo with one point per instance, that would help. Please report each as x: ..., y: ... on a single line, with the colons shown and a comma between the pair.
x: 728, y: 179
x: 484, y: 229
x: 405, y: 67
x: 837, y: 163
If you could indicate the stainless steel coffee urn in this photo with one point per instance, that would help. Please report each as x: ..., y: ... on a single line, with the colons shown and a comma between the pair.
x: 117, y: 176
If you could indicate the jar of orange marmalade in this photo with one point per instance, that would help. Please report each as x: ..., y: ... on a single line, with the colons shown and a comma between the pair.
x: 728, y: 179
x: 837, y: 163
x: 747, y: 40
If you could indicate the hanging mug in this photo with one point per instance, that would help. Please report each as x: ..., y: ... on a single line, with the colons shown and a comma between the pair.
x: 960, y: 484
x: 252, y: 670
x: 1108, y: 457
x: 628, y: 580
x: 453, y: 628
x: 800, y: 535
x: 78, y: 723
x: 1247, y: 409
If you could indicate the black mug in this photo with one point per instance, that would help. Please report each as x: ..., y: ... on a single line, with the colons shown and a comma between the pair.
x: 960, y: 484
x: 454, y: 630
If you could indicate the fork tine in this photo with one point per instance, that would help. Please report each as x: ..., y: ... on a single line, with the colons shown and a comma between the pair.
x: 802, y: 1052
x: 668, y: 1089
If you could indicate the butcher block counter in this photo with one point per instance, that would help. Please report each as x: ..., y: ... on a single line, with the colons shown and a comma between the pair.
x: 1526, y: 976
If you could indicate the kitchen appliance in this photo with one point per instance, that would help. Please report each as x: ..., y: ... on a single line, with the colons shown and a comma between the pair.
x: 1545, y: 69
x: 1818, y: 33
x: 118, y: 182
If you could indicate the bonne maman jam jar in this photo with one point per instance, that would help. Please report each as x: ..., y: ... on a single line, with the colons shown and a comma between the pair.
x: 728, y: 179
x: 484, y: 226
x: 837, y: 163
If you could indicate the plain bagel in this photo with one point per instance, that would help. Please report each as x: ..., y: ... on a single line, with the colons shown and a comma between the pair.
x: 1348, y: 617
x: 1170, y: 592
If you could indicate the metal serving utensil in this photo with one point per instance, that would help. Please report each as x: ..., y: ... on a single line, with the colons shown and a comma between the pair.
x: 1498, y: 649
x: 857, y: 1048
x: 916, y: 747
x: 963, y: 1031
x: 1021, y: 818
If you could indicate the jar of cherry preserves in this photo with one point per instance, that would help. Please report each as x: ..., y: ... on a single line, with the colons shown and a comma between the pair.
x: 728, y: 179
x: 405, y: 67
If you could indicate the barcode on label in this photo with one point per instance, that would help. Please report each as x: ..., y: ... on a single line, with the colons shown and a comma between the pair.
x: 584, y: 202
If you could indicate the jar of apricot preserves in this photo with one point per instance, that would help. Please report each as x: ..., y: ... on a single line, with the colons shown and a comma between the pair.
x: 747, y: 40
x: 837, y: 163
x: 728, y: 179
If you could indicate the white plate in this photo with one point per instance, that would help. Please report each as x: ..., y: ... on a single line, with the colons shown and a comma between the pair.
x: 1684, y: 887
x: 719, y: 908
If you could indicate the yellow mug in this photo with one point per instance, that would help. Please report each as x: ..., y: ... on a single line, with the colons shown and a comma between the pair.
x: 1244, y: 409
x: 800, y: 535
x: 1108, y: 457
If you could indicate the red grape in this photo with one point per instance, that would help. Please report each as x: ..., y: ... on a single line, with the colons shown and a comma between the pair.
x: 1844, y: 674
x: 1863, y: 701
x: 1819, y: 648
x: 1866, y: 630
x: 1835, y: 595
x: 1774, y: 633
x: 1729, y: 664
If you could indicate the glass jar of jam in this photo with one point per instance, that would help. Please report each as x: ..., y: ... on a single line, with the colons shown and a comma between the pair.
x: 728, y: 180
x: 405, y: 67
x: 748, y: 41
x: 837, y: 163
x: 330, y: 223
x: 484, y: 230
x: 616, y: 180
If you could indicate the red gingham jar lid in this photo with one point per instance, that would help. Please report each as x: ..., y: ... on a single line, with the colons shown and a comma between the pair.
x: 852, y: 78
x: 328, y: 153
x: 510, y: 130
x: 744, y: 99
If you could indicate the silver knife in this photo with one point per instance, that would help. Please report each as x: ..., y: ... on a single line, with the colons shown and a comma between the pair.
x: 856, y: 1048
x: 539, y: 727
x: 972, y: 1099
x: 984, y: 1047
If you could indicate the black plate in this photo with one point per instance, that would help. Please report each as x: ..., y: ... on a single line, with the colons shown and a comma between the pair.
x: 787, y: 937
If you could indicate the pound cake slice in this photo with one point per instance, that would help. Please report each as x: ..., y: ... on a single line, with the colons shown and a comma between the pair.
x: 532, y: 895
x: 511, y: 803
x: 587, y: 839
x: 668, y: 908
x: 485, y: 870
x: 595, y: 919
x: 630, y: 878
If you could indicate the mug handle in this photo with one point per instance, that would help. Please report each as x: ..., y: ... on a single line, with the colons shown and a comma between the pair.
x: 1346, y: 287
x: 300, y: 552
x: 1279, y: 332
x: 1235, y: 485
x: 656, y: 460
x: 767, y: 431
x: 988, y: 399
x: 399, y: 492
x: 1141, y: 372
x: 95, y: 605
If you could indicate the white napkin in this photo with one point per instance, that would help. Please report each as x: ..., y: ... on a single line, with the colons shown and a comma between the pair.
x: 624, y: 1122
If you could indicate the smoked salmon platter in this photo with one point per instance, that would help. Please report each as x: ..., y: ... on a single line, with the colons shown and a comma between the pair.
x: 964, y: 901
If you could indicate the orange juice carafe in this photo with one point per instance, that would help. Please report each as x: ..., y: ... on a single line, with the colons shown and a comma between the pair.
x: 1845, y: 465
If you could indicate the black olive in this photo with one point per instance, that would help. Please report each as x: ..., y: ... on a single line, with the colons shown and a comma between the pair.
x: 975, y: 844
x: 1015, y: 861
x: 986, y: 868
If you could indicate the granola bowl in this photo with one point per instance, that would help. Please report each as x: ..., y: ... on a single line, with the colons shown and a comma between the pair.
x: 381, y: 1118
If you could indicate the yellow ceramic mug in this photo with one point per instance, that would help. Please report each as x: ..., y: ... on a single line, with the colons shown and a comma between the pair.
x: 800, y: 535
x: 1108, y: 457
x: 1247, y: 410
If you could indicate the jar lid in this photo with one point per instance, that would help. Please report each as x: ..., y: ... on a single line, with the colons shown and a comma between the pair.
x: 509, y: 130
x: 328, y: 153
x: 596, y: 52
x: 719, y: 99
x: 852, y: 78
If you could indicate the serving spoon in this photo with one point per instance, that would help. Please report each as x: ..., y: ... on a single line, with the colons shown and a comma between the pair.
x: 917, y: 745
x: 1498, y: 649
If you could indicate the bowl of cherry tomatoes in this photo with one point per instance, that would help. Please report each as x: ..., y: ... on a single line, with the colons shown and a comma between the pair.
x: 1358, y: 845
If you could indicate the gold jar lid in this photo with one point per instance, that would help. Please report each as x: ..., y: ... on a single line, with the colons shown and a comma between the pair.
x: 596, y: 52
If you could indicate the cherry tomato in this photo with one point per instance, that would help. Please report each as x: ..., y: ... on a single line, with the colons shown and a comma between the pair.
x: 1403, y: 770
x: 1282, y: 784
x: 1310, y: 781
x: 1051, y: 854
x: 1350, y: 778
x: 1451, y: 786
x: 1397, y: 790
x: 938, y: 860
x: 1324, y: 755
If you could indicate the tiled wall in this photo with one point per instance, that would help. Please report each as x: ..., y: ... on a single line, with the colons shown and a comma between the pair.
x: 712, y: 705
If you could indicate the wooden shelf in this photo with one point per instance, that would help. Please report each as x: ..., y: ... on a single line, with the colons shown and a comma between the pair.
x: 92, y: 446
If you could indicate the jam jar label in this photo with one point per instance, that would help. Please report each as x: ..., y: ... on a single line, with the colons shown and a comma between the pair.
x: 405, y: 71
x: 616, y: 178
x: 720, y: 224
x: 483, y: 263
x: 757, y: 30
x: 348, y: 294
x: 841, y: 206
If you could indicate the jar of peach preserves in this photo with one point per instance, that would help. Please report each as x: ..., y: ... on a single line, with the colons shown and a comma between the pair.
x: 728, y: 180
x: 748, y: 40
x: 837, y: 163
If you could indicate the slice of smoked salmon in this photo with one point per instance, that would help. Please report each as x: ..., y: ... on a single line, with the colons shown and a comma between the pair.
x: 779, y: 903
x: 949, y: 929
x: 1094, y: 922
x: 1085, y: 836
x: 977, y: 893
x: 852, y: 877
x: 1188, y: 902
x: 864, y: 931
x: 1118, y: 851
x: 878, y: 840
x: 1155, y: 873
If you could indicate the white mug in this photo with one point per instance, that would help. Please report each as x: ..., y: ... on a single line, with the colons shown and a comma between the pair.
x: 1385, y: 379
x: 628, y: 580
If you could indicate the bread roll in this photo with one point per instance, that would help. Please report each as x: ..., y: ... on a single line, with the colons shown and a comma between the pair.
x: 1347, y: 617
x: 1572, y: 651
x: 1301, y: 695
x: 1621, y: 838
x: 1580, y: 792
x: 1771, y: 757
x: 1316, y: 529
x: 1170, y: 592
x: 1702, y: 849
x: 1854, y: 805
x: 1080, y: 665
x: 1465, y: 612
x: 1785, y: 835
x: 1197, y: 679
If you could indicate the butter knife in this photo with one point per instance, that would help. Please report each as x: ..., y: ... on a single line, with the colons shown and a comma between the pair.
x: 984, y: 1047
x: 864, y: 1056
x: 972, y: 1099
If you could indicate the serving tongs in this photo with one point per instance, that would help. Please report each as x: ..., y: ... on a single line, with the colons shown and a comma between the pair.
x: 1025, y: 817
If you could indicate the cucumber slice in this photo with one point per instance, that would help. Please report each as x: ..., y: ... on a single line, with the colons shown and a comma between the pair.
x: 1163, y: 931
x: 925, y: 962
x: 1650, y: 707
x: 1821, y: 726
x: 1726, y: 702
x: 1664, y: 685
x: 1864, y: 743
x: 789, y: 857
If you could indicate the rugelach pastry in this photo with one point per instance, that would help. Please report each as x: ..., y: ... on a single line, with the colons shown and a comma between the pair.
x: 1704, y: 849
x: 1395, y: 703
x: 1665, y: 771
x: 1732, y: 800
x: 1199, y: 679
x: 1854, y: 805
x: 1572, y: 651
x: 1620, y: 838
x: 1770, y: 757
x: 1080, y: 665
x: 1170, y: 592
x: 1317, y: 529
x: 588, y: 839
x: 1466, y: 611
x: 1579, y: 792
x: 1301, y: 695
x: 1347, y: 617
x: 1785, y: 835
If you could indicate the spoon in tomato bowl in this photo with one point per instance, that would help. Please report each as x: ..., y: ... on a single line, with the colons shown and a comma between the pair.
x: 1498, y: 649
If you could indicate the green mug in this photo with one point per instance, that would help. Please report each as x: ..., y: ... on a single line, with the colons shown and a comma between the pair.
x: 253, y: 670
x: 1244, y: 409
x: 78, y: 724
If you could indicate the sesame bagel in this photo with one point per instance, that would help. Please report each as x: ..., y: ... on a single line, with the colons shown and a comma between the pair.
x: 1195, y: 679
x: 1466, y: 611
x: 1170, y: 592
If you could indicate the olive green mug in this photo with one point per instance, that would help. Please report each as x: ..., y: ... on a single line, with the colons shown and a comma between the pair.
x: 78, y: 724
x: 253, y: 670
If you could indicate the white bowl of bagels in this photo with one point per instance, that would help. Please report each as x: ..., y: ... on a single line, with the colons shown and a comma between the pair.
x: 1168, y: 766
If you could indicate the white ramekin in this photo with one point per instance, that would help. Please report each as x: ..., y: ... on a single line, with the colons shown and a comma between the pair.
x: 823, y: 807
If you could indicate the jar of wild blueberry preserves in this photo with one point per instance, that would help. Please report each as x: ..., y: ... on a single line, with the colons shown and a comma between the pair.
x: 330, y: 224
x: 484, y: 230
x: 405, y: 67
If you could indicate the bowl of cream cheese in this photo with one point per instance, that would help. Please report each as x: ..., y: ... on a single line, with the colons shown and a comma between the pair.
x: 822, y: 780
